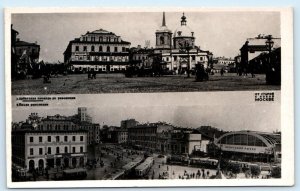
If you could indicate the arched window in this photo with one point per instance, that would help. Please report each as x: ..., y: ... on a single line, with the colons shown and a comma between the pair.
x: 57, y: 150
x: 66, y: 149
x: 108, y: 49
x: 100, y: 49
x: 162, y: 40
x: 92, y: 48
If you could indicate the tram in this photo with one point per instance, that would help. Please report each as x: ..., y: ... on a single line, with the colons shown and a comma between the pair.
x: 143, y: 169
x: 204, y: 162
x: 130, y: 167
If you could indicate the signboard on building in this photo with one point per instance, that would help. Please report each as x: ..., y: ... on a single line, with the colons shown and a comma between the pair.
x: 245, y: 149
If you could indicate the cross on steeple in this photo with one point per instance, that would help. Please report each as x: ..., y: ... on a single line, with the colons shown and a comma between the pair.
x: 183, y: 20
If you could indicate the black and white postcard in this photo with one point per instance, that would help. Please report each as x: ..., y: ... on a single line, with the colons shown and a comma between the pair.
x: 127, y: 97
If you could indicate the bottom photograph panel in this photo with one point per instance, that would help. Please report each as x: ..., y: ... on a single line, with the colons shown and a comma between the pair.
x: 127, y: 140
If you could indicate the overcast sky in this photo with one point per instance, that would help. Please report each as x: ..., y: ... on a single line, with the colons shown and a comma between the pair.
x: 222, y: 33
x: 229, y: 111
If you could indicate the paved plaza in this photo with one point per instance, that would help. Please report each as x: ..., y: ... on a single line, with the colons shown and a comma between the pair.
x: 118, y: 83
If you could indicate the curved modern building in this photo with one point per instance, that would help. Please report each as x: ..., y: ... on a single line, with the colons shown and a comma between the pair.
x: 251, y: 146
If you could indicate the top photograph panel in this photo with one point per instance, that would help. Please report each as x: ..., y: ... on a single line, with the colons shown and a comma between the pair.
x: 145, y: 52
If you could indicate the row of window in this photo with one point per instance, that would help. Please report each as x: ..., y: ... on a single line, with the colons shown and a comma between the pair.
x: 102, y: 58
x: 49, y: 139
x: 57, y: 127
x: 100, y: 49
x: 49, y: 150
x: 101, y: 39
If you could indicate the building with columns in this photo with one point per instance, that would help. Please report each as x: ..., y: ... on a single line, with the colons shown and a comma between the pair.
x: 99, y: 50
x: 179, y: 52
x: 39, y: 149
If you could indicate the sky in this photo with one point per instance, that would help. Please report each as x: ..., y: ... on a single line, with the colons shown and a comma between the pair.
x: 229, y: 111
x: 222, y: 33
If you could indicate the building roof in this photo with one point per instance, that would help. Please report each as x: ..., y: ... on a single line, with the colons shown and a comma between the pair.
x: 77, y: 40
x: 270, y: 139
x: 183, y: 31
x: 23, y: 43
x: 25, y: 131
x: 100, y: 31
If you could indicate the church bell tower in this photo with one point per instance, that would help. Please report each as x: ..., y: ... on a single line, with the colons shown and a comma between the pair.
x: 163, y: 37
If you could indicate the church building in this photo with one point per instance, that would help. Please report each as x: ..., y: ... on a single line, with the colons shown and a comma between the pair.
x: 179, y: 52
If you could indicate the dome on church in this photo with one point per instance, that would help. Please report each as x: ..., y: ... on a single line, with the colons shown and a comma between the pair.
x: 183, y: 31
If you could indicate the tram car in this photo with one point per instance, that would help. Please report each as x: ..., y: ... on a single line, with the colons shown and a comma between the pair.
x: 178, y: 159
x: 204, y: 162
x: 74, y: 174
x: 243, y: 165
x: 129, y: 168
x: 143, y: 169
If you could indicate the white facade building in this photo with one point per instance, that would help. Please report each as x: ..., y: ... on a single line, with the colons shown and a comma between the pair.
x: 179, y: 50
x: 39, y: 149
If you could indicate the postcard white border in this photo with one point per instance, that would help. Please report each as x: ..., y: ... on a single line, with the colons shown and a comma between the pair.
x: 287, y: 106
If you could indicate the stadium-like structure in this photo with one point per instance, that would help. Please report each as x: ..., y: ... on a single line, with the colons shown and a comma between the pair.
x: 250, y: 146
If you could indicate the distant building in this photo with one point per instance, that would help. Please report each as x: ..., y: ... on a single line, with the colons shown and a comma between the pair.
x: 224, y: 63
x: 140, y: 56
x: 181, y: 141
x: 38, y: 149
x: 23, y: 55
x: 27, y: 49
x: 114, y: 134
x: 99, y: 50
x: 128, y: 123
x: 82, y: 114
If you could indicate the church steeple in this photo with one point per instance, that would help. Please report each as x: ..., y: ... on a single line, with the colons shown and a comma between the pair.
x: 164, y: 20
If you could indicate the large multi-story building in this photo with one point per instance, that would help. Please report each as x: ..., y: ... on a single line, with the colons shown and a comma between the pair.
x: 80, y: 121
x: 179, y: 52
x: 145, y: 135
x: 99, y: 50
x: 114, y: 134
x: 250, y: 146
x: 33, y: 149
x: 165, y: 138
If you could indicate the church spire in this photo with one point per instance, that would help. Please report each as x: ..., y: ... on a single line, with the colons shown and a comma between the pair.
x: 183, y: 20
x: 164, y: 20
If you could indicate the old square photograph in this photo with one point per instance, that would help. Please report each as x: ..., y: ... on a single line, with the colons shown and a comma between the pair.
x: 129, y: 141
x: 141, y: 52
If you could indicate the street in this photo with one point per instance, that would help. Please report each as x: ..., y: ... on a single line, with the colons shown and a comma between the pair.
x: 118, y: 83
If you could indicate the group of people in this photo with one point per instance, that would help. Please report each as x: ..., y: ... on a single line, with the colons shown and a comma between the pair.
x: 198, y: 175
